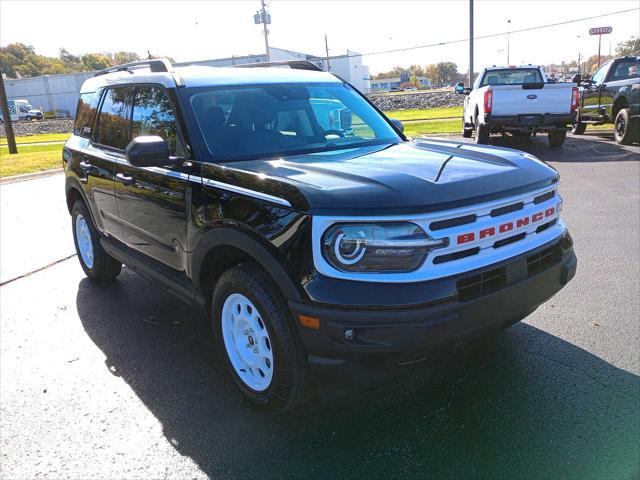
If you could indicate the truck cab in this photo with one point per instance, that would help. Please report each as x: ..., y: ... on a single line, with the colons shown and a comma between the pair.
x: 612, y: 95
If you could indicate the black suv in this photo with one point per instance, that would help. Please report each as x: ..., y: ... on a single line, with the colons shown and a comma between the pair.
x: 320, y: 242
x: 612, y: 95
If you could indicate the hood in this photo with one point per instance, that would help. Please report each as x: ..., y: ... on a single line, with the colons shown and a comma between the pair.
x: 410, y: 177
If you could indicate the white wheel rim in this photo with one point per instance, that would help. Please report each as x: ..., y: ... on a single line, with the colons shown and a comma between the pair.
x: 83, y: 236
x: 247, y: 342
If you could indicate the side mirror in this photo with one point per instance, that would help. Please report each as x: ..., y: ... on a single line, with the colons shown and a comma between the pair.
x: 148, y: 151
x: 459, y: 88
x: 397, y: 123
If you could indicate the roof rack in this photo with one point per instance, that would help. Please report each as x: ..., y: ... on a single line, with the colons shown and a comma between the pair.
x: 155, y: 65
x: 293, y: 64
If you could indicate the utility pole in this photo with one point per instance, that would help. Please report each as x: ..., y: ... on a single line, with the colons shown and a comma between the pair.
x: 6, y: 116
x: 470, y: 43
x: 326, y: 47
x: 508, y: 38
x: 264, y: 18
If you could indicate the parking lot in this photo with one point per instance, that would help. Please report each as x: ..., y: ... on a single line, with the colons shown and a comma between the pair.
x: 122, y: 381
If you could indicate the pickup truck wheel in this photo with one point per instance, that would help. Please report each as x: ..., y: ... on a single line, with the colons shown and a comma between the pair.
x: 579, y: 127
x: 625, y: 129
x: 97, y: 264
x: 482, y: 134
x: 556, y: 138
x: 466, y: 131
x: 257, y: 338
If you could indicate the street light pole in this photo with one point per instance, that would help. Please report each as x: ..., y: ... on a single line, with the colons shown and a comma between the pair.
x: 470, y: 43
x: 508, y: 38
x: 326, y: 47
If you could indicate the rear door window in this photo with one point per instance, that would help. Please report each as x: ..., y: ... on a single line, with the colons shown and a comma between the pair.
x: 113, y: 119
x: 153, y: 114
x: 625, y: 70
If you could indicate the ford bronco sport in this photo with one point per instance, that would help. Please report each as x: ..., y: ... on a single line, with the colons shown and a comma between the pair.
x: 321, y: 243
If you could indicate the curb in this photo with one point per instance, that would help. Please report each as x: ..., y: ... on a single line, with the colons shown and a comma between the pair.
x: 29, y: 176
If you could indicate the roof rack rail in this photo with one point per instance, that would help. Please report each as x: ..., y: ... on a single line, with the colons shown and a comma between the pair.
x: 155, y: 65
x: 293, y: 64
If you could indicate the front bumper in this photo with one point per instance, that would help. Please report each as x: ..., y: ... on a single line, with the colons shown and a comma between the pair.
x: 530, y: 121
x: 485, y: 300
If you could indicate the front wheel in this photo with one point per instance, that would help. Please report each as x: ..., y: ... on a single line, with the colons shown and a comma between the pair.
x: 625, y: 129
x: 257, y: 338
x: 97, y: 264
x: 466, y: 131
x: 556, y: 138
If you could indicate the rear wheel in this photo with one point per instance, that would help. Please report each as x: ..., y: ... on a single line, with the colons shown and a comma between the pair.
x: 556, y: 138
x: 625, y: 129
x: 482, y: 134
x: 97, y: 264
x: 578, y: 128
x: 257, y: 338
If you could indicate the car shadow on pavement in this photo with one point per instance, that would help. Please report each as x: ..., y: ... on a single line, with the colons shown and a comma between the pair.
x: 525, y: 404
x: 591, y: 148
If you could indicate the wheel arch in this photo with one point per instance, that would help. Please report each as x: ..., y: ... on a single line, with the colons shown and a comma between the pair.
x: 619, y: 102
x: 73, y: 193
x: 223, y: 247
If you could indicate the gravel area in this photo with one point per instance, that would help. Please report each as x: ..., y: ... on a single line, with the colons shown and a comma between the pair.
x: 412, y: 101
x: 58, y: 125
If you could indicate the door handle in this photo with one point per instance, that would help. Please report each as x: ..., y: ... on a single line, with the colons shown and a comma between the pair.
x: 85, y: 165
x: 125, y: 179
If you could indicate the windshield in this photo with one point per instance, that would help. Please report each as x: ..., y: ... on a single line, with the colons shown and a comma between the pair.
x: 255, y: 121
x: 511, y: 76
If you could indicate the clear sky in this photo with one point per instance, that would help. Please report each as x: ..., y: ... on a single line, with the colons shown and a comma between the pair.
x: 190, y: 30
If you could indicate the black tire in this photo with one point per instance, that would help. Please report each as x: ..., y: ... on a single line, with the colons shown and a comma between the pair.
x: 290, y: 384
x: 104, y: 268
x: 556, y: 138
x: 579, y: 127
x: 625, y: 129
x: 466, y: 131
x: 482, y: 134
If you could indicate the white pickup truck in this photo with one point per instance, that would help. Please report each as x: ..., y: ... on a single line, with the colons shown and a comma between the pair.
x: 519, y: 100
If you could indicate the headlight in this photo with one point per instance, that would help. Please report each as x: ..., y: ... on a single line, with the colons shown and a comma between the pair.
x: 383, y: 247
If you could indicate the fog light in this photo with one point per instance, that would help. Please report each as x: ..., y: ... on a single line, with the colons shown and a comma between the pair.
x: 349, y: 334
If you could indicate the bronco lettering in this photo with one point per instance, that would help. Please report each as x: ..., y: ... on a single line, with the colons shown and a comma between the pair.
x: 505, y: 227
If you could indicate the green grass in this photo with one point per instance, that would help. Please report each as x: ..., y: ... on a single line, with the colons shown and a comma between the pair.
x: 30, y: 159
x: 414, y: 129
x: 45, y: 137
x: 444, y: 112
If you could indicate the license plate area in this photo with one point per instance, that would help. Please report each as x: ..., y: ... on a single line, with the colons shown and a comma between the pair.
x: 530, y: 120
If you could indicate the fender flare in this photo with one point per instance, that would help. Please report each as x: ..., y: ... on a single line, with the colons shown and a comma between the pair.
x: 265, y: 256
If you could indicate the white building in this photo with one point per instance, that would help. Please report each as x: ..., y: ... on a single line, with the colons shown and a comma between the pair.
x: 348, y: 66
x: 59, y: 93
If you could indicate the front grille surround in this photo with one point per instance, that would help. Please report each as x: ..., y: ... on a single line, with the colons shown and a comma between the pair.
x: 454, y: 257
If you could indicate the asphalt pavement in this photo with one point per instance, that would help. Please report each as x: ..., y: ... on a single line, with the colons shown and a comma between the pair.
x: 122, y: 381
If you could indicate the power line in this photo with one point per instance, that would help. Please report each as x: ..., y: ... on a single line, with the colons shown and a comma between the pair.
x: 482, y: 37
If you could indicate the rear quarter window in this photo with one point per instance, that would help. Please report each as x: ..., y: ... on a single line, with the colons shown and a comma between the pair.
x: 86, y: 114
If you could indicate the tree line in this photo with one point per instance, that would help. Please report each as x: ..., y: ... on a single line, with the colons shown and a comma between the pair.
x: 18, y: 60
x: 447, y: 72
